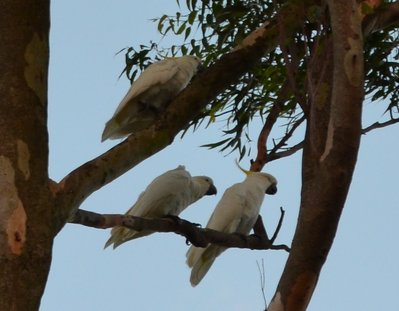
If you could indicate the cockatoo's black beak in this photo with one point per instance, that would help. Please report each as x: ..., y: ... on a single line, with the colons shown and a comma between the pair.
x: 272, y: 189
x: 212, y: 190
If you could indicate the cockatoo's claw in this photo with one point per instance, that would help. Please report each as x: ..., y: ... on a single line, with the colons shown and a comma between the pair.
x: 175, y: 218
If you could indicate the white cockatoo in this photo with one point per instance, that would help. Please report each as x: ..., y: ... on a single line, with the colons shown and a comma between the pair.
x: 167, y: 195
x: 236, y: 212
x: 150, y: 94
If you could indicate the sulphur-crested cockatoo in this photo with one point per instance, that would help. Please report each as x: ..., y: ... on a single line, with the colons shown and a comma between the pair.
x: 236, y: 212
x: 150, y: 94
x: 167, y: 195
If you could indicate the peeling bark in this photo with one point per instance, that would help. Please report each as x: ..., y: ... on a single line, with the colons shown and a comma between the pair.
x: 23, y: 158
x: 12, y: 213
x: 25, y: 222
x: 16, y: 229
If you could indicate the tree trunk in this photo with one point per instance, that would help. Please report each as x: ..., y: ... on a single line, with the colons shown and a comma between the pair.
x: 26, y: 233
x: 329, y: 156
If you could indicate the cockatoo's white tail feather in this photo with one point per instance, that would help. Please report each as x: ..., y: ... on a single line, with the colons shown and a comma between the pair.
x: 121, y: 235
x: 193, y: 254
x: 110, y: 128
x: 202, y: 262
x: 199, y: 271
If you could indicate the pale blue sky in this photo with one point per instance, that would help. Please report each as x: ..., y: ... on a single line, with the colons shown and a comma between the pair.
x: 361, y: 272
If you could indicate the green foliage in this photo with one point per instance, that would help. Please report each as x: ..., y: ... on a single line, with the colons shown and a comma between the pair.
x: 212, y: 28
x: 382, y: 68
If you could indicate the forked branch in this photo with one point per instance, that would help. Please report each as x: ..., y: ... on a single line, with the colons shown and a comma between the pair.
x: 197, y: 236
x: 274, y: 112
x: 378, y: 125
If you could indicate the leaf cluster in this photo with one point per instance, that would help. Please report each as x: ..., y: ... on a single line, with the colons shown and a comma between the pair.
x: 382, y: 69
x: 212, y: 28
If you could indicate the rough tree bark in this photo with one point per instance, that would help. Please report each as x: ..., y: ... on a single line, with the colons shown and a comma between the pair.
x: 26, y: 234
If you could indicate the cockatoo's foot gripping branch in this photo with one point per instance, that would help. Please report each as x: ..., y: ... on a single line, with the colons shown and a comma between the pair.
x: 197, y: 236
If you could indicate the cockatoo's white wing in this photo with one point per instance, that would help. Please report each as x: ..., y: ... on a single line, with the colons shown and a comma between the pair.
x: 236, y: 212
x: 225, y: 218
x: 162, y: 194
x: 168, y: 194
x: 157, y: 73
x: 150, y: 94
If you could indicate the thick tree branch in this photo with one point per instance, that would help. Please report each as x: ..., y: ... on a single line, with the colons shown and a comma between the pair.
x: 291, y: 59
x: 91, y: 176
x: 329, y: 156
x: 274, y: 112
x: 199, y: 237
x: 384, y: 17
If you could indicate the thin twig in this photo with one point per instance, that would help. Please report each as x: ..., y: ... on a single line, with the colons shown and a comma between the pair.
x: 285, y: 153
x: 261, y: 270
x: 280, y: 222
x: 287, y: 135
x: 378, y: 125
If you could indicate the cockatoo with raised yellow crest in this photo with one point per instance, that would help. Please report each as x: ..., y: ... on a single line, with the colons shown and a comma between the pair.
x: 150, y: 95
x: 167, y: 195
x: 236, y: 212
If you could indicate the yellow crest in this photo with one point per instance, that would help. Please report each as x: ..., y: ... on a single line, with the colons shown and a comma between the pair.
x: 243, y: 170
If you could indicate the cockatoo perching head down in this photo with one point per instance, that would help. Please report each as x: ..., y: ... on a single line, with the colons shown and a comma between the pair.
x: 167, y: 195
x: 150, y: 95
x: 236, y: 212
